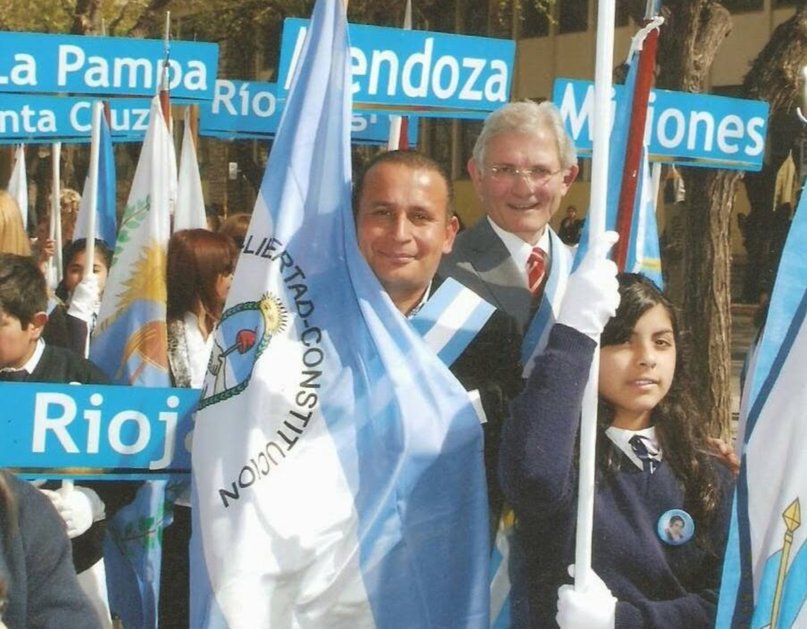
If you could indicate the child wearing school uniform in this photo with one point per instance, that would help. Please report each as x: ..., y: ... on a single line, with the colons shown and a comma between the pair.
x: 662, y: 499
x: 25, y: 357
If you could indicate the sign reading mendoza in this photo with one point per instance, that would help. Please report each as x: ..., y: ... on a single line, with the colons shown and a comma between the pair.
x: 402, y: 68
x: 72, y: 429
x: 34, y: 119
x: 42, y: 63
x: 698, y: 129
x: 242, y: 109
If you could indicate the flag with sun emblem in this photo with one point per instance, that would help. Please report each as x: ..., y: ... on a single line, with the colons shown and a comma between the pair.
x: 129, y: 341
x: 130, y: 344
x: 337, y: 464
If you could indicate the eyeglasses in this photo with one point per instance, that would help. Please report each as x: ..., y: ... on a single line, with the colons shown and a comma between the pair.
x: 537, y: 174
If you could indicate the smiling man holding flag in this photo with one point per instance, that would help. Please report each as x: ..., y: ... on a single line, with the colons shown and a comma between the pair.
x: 338, y: 476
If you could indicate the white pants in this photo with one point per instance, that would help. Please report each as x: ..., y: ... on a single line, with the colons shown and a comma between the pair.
x: 93, y: 582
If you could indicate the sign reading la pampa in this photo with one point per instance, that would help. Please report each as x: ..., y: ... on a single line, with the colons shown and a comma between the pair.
x: 44, y: 63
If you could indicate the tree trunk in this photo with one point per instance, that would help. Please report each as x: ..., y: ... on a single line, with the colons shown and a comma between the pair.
x: 707, y: 289
x: 689, y: 41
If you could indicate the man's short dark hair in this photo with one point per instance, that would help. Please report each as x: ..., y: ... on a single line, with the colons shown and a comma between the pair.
x: 23, y: 290
x: 677, y: 518
x: 411, y: 159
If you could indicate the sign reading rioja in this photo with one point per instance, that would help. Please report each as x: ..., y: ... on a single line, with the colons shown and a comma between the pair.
x: 401, y: 68
x: 35, y: 62
x: 699, y: 129
x: 81, y: 430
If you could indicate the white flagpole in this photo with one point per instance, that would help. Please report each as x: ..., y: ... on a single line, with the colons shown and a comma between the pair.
x: 395, y: 121
x: 596, y: 217
x: 55, y: 230
x: 92, y: 202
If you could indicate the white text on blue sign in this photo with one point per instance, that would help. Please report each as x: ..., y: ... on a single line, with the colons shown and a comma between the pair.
x: 699, y: 129
x: 401, y: 68
x: 44, y: 63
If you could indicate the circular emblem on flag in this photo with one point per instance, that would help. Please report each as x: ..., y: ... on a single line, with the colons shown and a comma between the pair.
x: 675, y: 527
x: 243, y: 334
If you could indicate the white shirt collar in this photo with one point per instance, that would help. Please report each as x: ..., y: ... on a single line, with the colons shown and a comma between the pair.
x: 199, y: 350
x: 519, y: 249
x: 620, y: 437
x: 421, y: 303
x: 33, y: 361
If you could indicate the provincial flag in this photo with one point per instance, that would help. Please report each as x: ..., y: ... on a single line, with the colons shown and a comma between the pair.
x: 643, y: 245
x: 130, y: 344
x: 104, y: 182
x: 189, y: 212
x: 764, y: 580
x: 338, y: 475
x: 129, y: 341
x: 18, y: 183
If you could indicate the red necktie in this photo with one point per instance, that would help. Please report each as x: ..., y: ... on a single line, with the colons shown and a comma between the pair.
x: 536, y: 268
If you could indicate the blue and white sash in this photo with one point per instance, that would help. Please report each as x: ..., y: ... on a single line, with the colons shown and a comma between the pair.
x: 450, y: 319
x: 537, y: 333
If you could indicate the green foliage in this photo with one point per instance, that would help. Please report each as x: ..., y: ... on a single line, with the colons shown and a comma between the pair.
x: 38, y: 16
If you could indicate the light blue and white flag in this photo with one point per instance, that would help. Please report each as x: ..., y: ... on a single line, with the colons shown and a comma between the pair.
x: 765, y: 570
x: 130, y: 344
x: 18, y: 183
x: 337, y: 463
x: 129, y: 341
x: 190, y: 206
x: 106, y: 219
x: 644, y: 254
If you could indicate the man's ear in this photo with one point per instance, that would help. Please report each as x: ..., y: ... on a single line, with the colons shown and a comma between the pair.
x: 37, y: 324
x: 476, y: 176
x: 452, y: 227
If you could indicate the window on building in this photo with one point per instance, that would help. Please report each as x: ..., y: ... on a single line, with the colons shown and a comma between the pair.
x: 440, y: 141
x: 572, y: 16
x: 534, y: 20
x: 787, y: 3
x: 621, y: 17
x: 740, y: 6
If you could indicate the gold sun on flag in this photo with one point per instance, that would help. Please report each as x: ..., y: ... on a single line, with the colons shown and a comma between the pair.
x: 146, y: 282
x: 274, y: 313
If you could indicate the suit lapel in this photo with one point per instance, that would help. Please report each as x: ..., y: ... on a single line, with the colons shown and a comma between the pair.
x: 495, y: 267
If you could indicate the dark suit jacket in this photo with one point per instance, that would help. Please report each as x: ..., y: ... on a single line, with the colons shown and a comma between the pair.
x: 491, y: 364
x: 481, y: 261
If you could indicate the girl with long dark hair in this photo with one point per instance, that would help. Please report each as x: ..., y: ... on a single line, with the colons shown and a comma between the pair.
x: 662, y: 498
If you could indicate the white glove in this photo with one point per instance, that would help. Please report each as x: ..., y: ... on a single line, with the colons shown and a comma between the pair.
x: 592, y: 292
x: 86, y: 299
x: 78, y: 506
x: 592, y: 608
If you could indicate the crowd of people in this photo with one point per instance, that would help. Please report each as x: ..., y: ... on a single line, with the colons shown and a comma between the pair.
x: 663, y: 489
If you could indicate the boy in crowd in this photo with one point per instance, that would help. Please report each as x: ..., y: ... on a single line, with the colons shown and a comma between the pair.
x: 25, y: 357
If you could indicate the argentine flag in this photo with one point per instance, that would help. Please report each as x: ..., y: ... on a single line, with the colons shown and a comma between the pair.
x: 765, y: 571
x: 644, y: 254
x: 337, y: 464
x: 106, y: 219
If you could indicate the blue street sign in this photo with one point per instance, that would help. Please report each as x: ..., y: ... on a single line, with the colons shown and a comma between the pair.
x: 251, y: 110
x: 45, y: 63
x: 34, y: 118
x: 401, y: 68
x: 692, y: 129
x: 78, y: 429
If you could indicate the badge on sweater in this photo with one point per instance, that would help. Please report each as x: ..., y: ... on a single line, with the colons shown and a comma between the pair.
x: 675, y: 527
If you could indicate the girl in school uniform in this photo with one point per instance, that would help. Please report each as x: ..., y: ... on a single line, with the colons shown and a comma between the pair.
x: 662, y: 497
